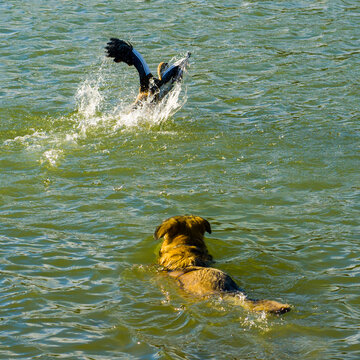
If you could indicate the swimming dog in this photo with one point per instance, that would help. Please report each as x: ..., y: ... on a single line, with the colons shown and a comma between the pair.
x: 152, y: 89
x: 185, y: 257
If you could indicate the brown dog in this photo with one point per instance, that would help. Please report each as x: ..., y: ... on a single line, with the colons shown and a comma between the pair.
x: 186, y: 258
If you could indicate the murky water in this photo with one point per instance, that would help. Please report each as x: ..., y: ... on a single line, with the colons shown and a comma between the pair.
x: 261, y: 139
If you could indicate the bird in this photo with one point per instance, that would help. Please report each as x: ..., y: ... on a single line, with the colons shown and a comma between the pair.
x: 152, y: 89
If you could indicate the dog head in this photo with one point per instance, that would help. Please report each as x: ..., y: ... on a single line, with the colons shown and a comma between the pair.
x: 192, y: 226
x: 184, y: 243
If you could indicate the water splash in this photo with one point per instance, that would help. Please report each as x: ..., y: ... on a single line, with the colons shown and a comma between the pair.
x: 89, y: 98
x: 92, y: 103
x: 89, y: 101
x: 151, y: 114
x: 51, y: 156
x: 95, y: 111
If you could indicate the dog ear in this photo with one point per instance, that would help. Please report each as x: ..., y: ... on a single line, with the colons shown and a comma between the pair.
x: 202, y: 222
x: 159, y: 232
x: 164, y: 228
x: 207, y: 226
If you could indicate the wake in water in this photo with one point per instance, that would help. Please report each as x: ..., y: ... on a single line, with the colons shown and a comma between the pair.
x: 94, y: 111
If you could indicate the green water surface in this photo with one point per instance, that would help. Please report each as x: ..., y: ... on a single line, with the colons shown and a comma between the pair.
x: 262, y: 139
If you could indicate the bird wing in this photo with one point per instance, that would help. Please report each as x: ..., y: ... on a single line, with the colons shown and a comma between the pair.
x: 175, y: 71
x: 123, y: 51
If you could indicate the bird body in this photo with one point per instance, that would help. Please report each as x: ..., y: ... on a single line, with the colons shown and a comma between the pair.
x: 151, y: 89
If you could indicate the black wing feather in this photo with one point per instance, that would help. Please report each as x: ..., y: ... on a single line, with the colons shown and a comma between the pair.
x: 120, y: 50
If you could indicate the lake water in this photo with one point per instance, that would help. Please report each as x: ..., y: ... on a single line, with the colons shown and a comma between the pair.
x: 261, y: 139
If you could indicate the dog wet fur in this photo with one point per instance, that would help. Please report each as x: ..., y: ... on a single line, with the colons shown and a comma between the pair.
x: 185, y: 257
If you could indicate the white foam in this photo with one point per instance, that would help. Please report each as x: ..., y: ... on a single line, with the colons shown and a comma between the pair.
x: 28, y: 140
x: 51, y: 156
x: 151, y: 114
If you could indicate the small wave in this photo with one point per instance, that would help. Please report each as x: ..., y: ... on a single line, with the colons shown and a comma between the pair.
x: 29, y: 140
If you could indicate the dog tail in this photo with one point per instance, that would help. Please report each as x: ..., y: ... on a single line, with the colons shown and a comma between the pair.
x: 123, y: 51
x: 267, y: 306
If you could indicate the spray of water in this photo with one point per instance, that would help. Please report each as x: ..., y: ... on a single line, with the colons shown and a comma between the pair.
x: 150, y: 114
x: 89, y: 98
x: 91, y: 104
x: 95, y: 112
